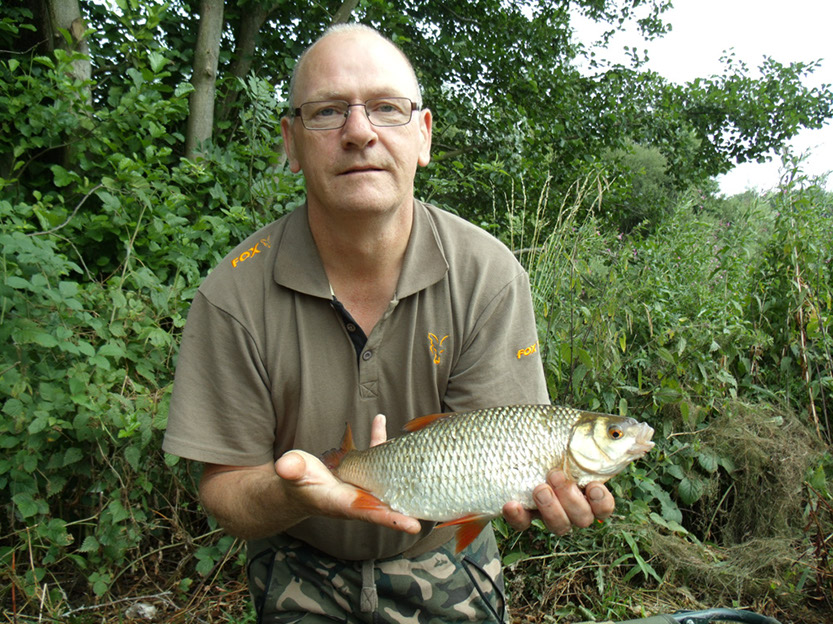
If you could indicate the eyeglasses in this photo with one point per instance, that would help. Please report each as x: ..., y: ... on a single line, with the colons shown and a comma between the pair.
x: 332, y: 114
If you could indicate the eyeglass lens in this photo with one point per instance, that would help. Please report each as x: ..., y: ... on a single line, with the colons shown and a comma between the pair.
x: 331, y: 114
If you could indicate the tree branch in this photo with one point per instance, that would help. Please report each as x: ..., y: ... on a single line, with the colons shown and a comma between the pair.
x: 342, y: 16
x: 69, y: 218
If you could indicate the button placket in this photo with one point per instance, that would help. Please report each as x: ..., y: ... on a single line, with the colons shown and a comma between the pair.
x: 369, y: 363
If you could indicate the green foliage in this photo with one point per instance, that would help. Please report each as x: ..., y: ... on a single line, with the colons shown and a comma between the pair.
x: 710, y: 319
x: 680, y: 327
x: 643, y: 191
x: 105, y: 233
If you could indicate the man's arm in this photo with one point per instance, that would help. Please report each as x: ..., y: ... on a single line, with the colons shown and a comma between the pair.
x: 259, y: 501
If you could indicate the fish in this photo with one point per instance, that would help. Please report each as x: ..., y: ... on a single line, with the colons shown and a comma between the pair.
x: 459, y: 469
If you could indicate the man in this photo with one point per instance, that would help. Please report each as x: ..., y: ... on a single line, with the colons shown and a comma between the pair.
x: 364, y: 302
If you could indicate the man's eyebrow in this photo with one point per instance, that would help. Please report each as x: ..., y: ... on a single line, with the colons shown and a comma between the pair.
x: 321, y: 96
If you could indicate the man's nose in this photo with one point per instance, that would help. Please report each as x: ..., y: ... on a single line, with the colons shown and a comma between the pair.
x: 357, y: 130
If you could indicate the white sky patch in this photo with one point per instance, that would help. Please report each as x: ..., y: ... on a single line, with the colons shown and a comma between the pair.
x: 703, y: 31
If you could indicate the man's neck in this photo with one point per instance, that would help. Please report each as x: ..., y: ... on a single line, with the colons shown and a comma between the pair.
x: 362, y: 256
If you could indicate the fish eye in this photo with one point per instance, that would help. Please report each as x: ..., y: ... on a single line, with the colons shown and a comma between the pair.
x: 615, y: 432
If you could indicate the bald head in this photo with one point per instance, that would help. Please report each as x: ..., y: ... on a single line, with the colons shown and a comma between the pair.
x: 355, y: 31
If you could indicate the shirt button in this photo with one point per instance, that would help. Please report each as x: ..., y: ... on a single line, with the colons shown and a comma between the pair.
x: 351, y: 328
x: 367, y: 355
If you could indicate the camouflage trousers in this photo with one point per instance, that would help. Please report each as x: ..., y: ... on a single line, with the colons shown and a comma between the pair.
x: 292, y: 582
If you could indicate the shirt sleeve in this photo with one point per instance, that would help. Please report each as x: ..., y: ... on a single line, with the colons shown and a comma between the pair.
x: 500, y: 363
x: 221, y: 410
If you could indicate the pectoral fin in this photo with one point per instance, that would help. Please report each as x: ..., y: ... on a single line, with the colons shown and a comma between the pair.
x: 469, y: 528
x: 366, y: 500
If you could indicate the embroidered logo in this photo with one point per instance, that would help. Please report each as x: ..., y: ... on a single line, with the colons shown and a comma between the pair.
x: 436, y: 346
x: 527, y: 350
x: 253, y: 251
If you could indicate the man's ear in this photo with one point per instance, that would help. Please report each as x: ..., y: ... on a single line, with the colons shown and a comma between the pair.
x: 289, y: 145
x: 425, y: 128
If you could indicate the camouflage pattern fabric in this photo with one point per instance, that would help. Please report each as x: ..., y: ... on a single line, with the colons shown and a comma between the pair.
x: 292, y: 582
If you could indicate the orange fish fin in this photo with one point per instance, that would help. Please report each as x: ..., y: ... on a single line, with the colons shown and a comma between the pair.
x: 422, y: 421
x: 469, y: 528
x: 333, y: 457
x: 366, y: 500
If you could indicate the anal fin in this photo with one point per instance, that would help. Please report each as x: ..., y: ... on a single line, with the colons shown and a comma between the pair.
x: 469, y: 527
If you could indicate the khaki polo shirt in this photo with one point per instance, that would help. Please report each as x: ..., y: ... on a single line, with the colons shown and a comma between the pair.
x: 266, y: 362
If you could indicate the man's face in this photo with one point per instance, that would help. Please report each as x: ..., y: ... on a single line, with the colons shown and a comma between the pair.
x: 358, y: 167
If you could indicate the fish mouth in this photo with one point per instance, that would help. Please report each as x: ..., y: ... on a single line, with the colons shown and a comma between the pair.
x: 643, y: 443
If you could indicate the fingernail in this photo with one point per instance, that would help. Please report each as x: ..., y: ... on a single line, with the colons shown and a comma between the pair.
x: 542, y: 496
x: 557, y: 479
x: 596, y: 494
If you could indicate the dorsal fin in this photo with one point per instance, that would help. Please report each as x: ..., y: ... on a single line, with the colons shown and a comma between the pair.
x: 333, y: 457
x: 422, y: 421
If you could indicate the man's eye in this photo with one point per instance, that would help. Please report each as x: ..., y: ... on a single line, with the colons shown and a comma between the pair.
x: 330, y: 111
x: 385, y: 107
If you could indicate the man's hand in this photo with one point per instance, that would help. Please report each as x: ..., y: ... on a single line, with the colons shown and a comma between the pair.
x: 312, y: 489
x: 257, y: 501
x: 562, y: 505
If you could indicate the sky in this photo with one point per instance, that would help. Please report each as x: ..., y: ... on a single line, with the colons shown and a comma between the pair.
x: 702, y: 30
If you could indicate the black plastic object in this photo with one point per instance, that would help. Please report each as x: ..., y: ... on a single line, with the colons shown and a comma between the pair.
x: 706, y: 617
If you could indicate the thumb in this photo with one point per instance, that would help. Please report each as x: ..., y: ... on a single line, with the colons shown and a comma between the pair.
x: 291, y: 466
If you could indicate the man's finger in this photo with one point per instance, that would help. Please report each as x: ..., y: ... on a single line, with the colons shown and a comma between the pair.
x: 517, y: 517
x: 571, y: 503
x: 601, y: 500
x: 552, y: 512
x: 378, y: 430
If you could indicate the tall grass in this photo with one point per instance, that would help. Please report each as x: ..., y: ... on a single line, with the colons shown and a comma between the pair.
x: 716, y: 329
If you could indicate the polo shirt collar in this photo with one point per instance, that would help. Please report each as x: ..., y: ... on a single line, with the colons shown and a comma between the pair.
x: 425, y: 263
x: 298, y: 265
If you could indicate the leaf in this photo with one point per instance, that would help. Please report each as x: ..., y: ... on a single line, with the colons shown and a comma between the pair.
x: 90, y: 544
x: 133, y: 455
x: 26, y: 505
x: 708, y: 461
x: 112, y: 349
x: 72, y: 455
x: 61, y: 177
x: 514, y: 556
x: 13, y: 408
x: 666, y: 355
x: 690, y: 490
x: 157, y: 61
x: 666, y: 395
x: 18, y: 283
x: 34, y: 335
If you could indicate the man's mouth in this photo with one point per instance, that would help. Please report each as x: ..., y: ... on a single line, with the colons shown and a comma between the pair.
x: 362, y: 169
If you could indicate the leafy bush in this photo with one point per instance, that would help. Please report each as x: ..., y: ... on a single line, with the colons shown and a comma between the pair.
x: 714, y: 326
x: 643, y: 191
x: 678, y: 328
x: 105, y: 234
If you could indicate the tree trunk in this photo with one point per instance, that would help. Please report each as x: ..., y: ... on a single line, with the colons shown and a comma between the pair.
x: 244, y: 49
x: 246, y: 41
x: 204, y: 78
x: 66, y: 15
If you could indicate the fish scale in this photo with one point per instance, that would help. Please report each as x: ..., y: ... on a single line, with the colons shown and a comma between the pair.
x: 468, y: 465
